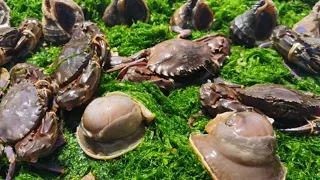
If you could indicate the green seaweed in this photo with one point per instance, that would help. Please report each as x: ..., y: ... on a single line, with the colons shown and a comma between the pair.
x: 165, y: 152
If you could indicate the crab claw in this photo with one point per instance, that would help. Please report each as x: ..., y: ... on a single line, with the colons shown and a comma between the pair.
x: 31, y: 31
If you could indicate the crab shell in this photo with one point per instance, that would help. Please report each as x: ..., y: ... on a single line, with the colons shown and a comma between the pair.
x: 59, y: 17
x: 309, y: 25
x: 180, y: 57
x: 125, y: 12
x: 287, y: 106
x: 255, y: 24
x: 112, y: 125
x: 239, y: 146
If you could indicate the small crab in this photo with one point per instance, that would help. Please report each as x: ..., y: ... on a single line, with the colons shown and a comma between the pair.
x: 239, y: 145
x: 28, y: 120
x: 255, y: 24
x: 79, y: 65
x: 175, y: 62
x: 309, y: 25
x: 59, y: 17
x: 125, y: 12
x: 292, y: 110
x: 302, y: 51
x: 195, y: 14
x: 16, y: 43
x: 112, y: 125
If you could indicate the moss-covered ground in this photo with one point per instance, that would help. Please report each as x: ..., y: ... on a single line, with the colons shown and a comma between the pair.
x: 165, y: 153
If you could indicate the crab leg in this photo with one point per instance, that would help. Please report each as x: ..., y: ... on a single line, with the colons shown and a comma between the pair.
x: 313, y: 127
x: 49, y: 168
x: 183, y: 33
x: 40, y: 142
x: 12, y: 160
x: 119, y: 60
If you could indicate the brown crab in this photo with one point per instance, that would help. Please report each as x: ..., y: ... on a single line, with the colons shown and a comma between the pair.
x: 255, y: 24
x: 292, y: 110
x: 175, y: 62
x: 59, y: 17
x: 195, y: 14
x: 239, y: 145
x: 112, y: 125
x: 16, y: 43
x: 79, y: 65
x: 309, y: 25
x: 302, y: 51
x: 28, y: 121
x: 125, y: 12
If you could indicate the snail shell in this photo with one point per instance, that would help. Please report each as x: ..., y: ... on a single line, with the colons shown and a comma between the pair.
x: 112, y: 125
x: 240, y: 145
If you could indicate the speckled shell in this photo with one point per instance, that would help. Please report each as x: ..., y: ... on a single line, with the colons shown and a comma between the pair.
x: 287, y: 106
x: 20, y: 111
x: 239, y: 145
x: 179, y: 57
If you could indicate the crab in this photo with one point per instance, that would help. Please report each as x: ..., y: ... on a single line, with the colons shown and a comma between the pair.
x: 112, y: 125
x: 309, y: 25
x: 126, y: 12
x: 239, y: 145
x: 195, y: 14
x: 79, y: 65
x: 291, y: 110
x: 59, y: 17
x: 255, y: 24
x: 28, y: 119
x: 176, y: 62
x: 16, y: 43
x: 301, y: 51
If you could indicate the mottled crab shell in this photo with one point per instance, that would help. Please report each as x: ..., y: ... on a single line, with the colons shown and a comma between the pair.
x: 59, y: 17
x: 180, y: 57
x: 112, y: 125
x: 4, y: 14
x: 20, y: 111
x: 287, y: 106
x: 239, y: 146
x: 255, y: 24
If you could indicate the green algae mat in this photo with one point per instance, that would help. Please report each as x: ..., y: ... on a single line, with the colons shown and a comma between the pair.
x: 165, y: 152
